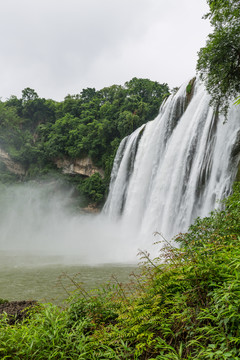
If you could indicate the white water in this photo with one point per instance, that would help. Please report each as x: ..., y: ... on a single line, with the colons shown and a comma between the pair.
x: 177, y: 170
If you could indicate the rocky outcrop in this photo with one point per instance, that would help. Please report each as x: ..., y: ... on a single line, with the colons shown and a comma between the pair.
x: 84, y: 167
x: 92, y: 208
x: 10, y: 164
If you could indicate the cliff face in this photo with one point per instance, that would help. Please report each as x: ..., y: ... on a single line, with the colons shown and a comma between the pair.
x: 10, y: 164
x: 82, y: 167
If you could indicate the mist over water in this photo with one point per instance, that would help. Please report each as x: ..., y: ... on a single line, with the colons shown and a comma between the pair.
x: 41, y: 219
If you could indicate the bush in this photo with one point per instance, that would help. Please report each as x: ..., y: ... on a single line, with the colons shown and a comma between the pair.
x: 93, y: 187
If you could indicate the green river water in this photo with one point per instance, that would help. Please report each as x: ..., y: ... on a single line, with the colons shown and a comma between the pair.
x: 48, y: 279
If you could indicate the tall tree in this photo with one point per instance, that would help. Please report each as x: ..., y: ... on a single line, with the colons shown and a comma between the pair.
x: 219, y: 61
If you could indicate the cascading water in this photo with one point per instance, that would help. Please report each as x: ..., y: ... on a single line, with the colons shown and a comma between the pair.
x: 176, y: 167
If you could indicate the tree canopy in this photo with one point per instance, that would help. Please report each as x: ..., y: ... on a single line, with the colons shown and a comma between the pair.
x: 219, y: 61
x: 35, y: 131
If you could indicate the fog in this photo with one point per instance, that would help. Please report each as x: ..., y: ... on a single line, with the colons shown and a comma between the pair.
x: 43, y: 219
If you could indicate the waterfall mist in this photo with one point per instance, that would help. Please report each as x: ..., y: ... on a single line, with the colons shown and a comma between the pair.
x: 41, y: 219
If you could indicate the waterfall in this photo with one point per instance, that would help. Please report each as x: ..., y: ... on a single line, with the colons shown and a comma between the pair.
x: 176, y: 167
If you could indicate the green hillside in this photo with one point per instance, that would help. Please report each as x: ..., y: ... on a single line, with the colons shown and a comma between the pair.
x: 35, y: 131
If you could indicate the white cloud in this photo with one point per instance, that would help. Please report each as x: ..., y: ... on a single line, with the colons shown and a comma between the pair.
x: 61, y: 46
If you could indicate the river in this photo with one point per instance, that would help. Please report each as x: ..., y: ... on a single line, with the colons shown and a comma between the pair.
x: 48, y: 279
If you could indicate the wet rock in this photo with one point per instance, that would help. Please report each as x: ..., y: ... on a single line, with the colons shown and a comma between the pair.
x: 17, y: 310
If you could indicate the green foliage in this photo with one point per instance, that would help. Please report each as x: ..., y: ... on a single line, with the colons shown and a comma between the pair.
x: 44, y: 336
x: 237, y: 102
x: 189, y: 88
x: 95, y: 309
x: 35, y: 131
x: 184, y: 305
x: 88, y: 123
x: 3, y: 301
x: 93, y: 187
x: 219, y: 61
x: 29, y: 94
x: 10, y: 134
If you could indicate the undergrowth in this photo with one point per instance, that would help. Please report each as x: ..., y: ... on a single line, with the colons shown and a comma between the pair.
x: 185, y: 305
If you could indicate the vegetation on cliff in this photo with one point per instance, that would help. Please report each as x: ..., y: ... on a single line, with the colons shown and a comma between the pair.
x: 184, y: 305
x: 35, y: 131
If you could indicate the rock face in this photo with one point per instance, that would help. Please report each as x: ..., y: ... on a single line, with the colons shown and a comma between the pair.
x: 82, y: 167
x: 11, y: 165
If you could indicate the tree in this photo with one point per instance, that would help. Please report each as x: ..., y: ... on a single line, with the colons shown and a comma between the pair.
x: 88, y: 94
x: 219, y: 61
x: 10, y: 133
x: 29, y: 94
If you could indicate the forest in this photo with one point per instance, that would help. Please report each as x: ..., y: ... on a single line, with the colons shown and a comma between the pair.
x: 36, y: 131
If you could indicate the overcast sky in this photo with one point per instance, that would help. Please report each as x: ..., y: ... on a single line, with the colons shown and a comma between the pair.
x: 59, y: 47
